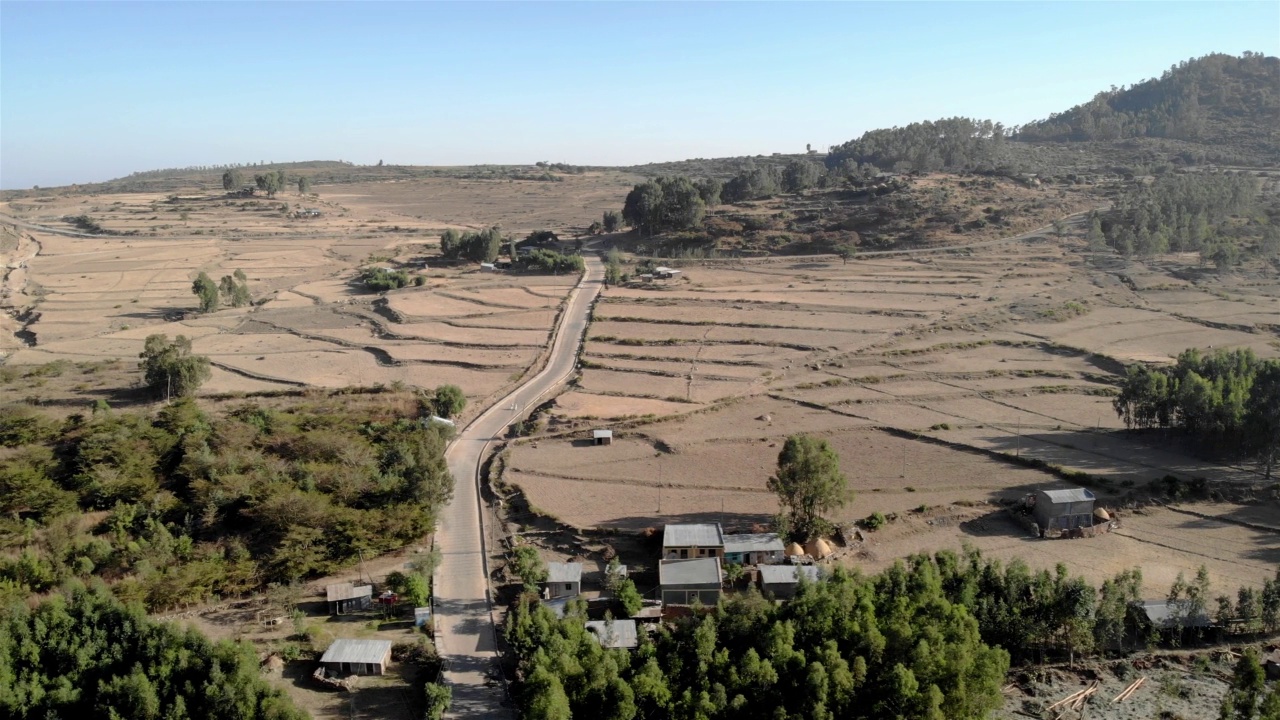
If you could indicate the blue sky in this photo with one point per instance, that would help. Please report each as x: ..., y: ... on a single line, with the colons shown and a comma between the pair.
x: 90, y: 91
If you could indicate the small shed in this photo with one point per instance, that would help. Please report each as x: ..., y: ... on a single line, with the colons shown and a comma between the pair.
x: 345, y: 597
x: 685, y: 581
x: 563, y: 580
x: 753, y: 548
x: 781, y: 581
x: 601, y: 437
x: 1063, y: 510
x: 357, y: 657
x: 615, y: 633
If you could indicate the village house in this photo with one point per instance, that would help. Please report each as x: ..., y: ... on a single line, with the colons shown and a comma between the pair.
x: 685, y: 581
x: 1063, y: 510
x: 615, y: 633
x: 357, y: 657
x: 753, y: 549
x: 684, y: 541
x: 601, y: 437
x: 345, y: 597
x: 781, y: 581
x: 563, y: 580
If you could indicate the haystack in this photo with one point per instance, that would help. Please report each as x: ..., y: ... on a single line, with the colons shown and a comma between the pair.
x: 818, y: 548
x: 1102, y: 514
x: 795, y: 549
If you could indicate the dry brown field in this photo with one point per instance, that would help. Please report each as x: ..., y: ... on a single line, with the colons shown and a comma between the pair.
x: 90, y: 299
x: 936, y: 377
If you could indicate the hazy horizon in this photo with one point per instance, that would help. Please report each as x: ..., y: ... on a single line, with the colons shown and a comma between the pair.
x: 93, y: 91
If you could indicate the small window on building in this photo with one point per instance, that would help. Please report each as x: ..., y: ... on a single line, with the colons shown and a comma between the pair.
x: 684, y: 553
x: 568, y: 586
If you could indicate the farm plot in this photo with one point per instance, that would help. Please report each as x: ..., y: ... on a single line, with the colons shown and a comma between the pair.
x: 312, y: 322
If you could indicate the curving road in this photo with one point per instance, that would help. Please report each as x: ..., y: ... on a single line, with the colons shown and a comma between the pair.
x: 465, y: 632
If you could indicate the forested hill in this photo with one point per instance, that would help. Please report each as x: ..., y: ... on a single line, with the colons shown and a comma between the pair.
x: 1216, y: 99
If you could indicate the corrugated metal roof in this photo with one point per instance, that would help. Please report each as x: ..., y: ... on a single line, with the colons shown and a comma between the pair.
x: 1162, y: 614
x: 1072, y: 495
x: 370, y: 652
x: 558, y: 572
x: 615, y: 634
x: 787, y: 574
x: 558, y: 606
x: 754, y: 542
x: 697, y: 571
x: 346, y: 591
x: 601, y: 433
x: 691, y: 535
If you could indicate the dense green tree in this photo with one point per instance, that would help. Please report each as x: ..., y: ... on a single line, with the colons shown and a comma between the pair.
x: 232, y: 179
x: 87, y: 655
x: 381, y: 279
x: 1262, y: 415
x: 752, y: 183
x: 483, y: 246
x: 528, y: 565
x: 207, y: 291
x: 808, y: 483
x: 799, y: 175
x: 304, y: 185
x: 664, y: 204
x: 612, y: 221
x: 951, y: 144
x: 170, y: 368
x: 449, y: 400
x: 1248, y: 683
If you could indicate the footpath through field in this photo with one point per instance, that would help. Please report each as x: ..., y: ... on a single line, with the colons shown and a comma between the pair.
x: 465, y: 632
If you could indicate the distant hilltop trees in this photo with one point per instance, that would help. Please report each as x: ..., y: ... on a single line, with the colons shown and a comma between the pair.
x: 957, y: 143
x: 1193, y: 100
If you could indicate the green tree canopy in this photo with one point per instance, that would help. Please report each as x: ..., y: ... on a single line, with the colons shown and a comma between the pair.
x: 232, y: 179
x: 170, y: 368
x: 207, y: 291
x: 808, y: 483
x: 449, y: 400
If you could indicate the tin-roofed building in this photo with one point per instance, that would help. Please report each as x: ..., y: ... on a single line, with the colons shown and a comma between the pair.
x: 754, y: 549
x: 345, y: 597
x: 781, y: 581
x: 694, y: 540
x: 602, y: 437
x: 1063, y: 510
x: 357, y: 657
x: 615, y: 633
x: 563, y: 580
x: 685, y: 581
x: 1165, y: 615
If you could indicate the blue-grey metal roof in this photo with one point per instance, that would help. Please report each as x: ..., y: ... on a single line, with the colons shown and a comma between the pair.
x: 692, y: 535
x: 787, y: 574
x: 558, y: 572
x: 1073, y: 495
x: 601, y: 433
x: 1165, y: 615
x: 754, y: 542
x: 696, y: 571
x: 370, y: 652
x: 347, y: 591
x: 615, y: 633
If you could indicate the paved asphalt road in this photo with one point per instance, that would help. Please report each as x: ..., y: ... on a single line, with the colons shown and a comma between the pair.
x: 464, y: 624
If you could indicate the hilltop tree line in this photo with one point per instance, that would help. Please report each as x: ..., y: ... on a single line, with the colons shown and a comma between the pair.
x: 270, y: 182
x: 1226, y: 402
x: 950, y: 144
x: 1182, y: 103
x: 85, y: 654
x: 197, y: 506
x: 1210, y: 213
x: 929, y: 638
x: 678, y: 203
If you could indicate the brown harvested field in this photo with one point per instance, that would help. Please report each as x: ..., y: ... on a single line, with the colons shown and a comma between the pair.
x: 1008, y: 352
x: 98, y: 298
